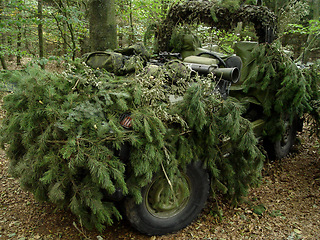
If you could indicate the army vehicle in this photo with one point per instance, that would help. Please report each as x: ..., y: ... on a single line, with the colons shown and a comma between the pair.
x: 151, y: 216
x: 158, y: 215
x: 155, y: 215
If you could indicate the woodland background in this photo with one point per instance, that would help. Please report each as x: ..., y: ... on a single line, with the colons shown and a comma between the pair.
x: 60, y: 30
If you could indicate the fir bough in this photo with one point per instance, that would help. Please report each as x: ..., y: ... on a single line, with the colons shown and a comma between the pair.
x: 312, y: 76
x: 62, y: 135
x: 281, y: 86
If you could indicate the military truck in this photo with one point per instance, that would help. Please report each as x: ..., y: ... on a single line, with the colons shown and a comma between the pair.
x: 157, y: 214
x: 153, y: 217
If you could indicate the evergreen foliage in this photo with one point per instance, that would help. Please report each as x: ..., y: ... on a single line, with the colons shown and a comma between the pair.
x: 285, y: 90
x: 62, y: 133
x: 223, y: 15
x: 312, y: 76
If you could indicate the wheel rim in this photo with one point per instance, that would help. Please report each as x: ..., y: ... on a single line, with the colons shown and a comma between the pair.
x: 161, y: 202
x: 285, y: 139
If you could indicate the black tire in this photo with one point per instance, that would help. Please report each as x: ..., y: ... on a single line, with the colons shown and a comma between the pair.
x: 152, y: 218
x: 281, y: 148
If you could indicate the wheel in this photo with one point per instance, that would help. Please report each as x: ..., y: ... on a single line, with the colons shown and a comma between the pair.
x: 281, y: 148
x: 159, y: 213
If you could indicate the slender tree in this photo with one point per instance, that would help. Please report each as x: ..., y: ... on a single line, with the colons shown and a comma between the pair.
x: 40, y: 32
x: 3, y: 62
x: 19, y: 46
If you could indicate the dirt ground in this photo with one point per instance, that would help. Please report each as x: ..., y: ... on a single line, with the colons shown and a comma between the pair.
x: 285, y: 206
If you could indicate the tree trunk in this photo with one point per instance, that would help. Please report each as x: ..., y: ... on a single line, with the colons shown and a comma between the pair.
x: 316, y: 9
x: 19, y: 39
x: 40, y: 33
x: 64, y: 37
x: 3, y: 63
x: 2, y: 60
x: 131, y: 37
x: 103, y: 30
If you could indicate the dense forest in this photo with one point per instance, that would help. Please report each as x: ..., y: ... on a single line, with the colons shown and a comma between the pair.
x: 62, y: 29
x: 50, y: 29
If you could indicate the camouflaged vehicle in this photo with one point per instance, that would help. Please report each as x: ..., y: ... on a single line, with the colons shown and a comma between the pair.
x: 153, y: 216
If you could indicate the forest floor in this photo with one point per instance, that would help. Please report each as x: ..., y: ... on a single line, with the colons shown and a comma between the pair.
x: 285, y: 206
